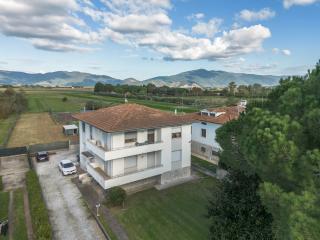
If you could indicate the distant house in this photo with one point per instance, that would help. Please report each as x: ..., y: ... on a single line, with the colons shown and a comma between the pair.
x: 132, y: 145
x: 70, y: 130
x: 206, y: 122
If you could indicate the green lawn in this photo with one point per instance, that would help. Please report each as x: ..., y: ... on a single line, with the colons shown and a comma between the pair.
x: 5, y: 125
x: 20, y: 230
x: 51, y: 100
x: 4, y: 207
x: 175, y: 213
x: 203, y: 164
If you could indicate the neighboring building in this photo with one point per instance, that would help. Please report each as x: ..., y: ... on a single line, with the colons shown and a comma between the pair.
x: 69, y: 130
x: 206, y: 122
x: 134, y: 145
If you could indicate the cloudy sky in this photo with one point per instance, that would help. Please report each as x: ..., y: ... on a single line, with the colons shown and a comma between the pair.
x: 147, y: 38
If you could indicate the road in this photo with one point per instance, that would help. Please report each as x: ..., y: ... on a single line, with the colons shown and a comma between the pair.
x: 69, y: 217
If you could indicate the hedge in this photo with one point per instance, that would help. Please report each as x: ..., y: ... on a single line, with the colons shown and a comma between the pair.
x: 1, y: 184
x: 39, y: 214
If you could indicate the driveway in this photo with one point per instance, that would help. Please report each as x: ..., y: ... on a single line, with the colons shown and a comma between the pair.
x: 69, y: 217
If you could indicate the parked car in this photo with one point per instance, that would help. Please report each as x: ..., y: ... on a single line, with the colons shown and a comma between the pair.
x: 67, y: 167
x: 42, y: 156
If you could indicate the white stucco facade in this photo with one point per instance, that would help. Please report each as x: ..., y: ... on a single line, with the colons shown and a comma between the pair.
x: 204, y: 143
x: 119, y: 158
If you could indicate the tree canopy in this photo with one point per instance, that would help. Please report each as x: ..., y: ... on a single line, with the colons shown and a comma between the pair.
x: 279, y: 143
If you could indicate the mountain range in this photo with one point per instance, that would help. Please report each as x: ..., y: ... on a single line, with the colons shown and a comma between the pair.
x: 195, y: 78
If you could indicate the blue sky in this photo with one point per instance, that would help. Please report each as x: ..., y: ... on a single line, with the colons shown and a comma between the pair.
x: 147, y: 38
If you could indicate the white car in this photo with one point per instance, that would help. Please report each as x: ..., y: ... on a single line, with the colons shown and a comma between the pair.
x: 67, y: 167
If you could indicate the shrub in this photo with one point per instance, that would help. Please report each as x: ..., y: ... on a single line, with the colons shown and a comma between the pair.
x: 1, y: 184
x: 116, y: 196
x: 38, y: 210
x: 64, y: 99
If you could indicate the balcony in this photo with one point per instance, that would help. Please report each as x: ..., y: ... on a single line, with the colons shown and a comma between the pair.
x: 106, y: 181
x: 125, y: 151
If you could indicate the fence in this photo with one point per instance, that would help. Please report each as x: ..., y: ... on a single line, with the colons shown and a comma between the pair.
x: 48, y: 146
x: 5, y: 152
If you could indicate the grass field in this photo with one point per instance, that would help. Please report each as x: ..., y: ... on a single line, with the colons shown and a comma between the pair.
x: 34, y: 128
x: 5, y: 126
x: 20, y: 229
x: 4, y: 209
x: 175, y: 213
x: 43, y: 100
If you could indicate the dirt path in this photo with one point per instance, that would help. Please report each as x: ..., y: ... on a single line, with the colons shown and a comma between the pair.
x: 27, y: 214
x: 11, y: 217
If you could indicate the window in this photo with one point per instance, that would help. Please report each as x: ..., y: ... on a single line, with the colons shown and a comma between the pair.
x: 83, y: 127
x: 176, y: 135
x: 130, y: 137
x: 151, y: 136
x: 203, y: 133
x: 176, y: 157
x: 203, y: 149
x: 130, y: 164
x: 203, y: 123
x: 91, y: 137
x: 151, y: 160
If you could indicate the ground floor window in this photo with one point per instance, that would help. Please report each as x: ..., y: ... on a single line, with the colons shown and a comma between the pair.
x: 130, y: 164
x: 203, y: 149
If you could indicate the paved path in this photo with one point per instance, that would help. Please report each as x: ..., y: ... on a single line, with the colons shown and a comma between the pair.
x: 69, y: 217
x: 92, y: 194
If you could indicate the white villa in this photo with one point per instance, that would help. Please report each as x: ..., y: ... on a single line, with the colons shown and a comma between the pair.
x: 131, y: 145
x: 206, y: 122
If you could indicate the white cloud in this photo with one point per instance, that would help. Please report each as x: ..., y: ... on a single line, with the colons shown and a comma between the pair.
x: 263, y: 14
x: 208, y: 29
x: 46, y: 21
x: 133, y: 23
x: 55, y: 25
x: 176, y: 46
x: 289, y: 3
x: 195, y: 16
x: 285, y: 52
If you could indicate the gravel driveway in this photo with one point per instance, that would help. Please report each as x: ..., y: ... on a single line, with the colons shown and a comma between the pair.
x: 69, y: 217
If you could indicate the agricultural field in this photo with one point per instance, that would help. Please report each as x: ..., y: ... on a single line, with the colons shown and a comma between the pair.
x: 5, y: 126
x: 169, y: 214
x: 45, y: 100
x: 34, y: 128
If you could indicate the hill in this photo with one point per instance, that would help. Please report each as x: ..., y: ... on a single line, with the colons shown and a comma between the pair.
x: 195, y: 78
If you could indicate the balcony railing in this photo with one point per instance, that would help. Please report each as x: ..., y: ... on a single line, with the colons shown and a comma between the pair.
x: 137, y: 171
x: 106, y: 149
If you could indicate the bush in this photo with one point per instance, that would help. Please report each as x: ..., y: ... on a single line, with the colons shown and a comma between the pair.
x: 1, y: 184
x: 116, y: 196
x: 64, y: 99
x: 38, y: 210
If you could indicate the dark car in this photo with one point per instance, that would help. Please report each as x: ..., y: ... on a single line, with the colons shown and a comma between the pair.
x: 42, y: 156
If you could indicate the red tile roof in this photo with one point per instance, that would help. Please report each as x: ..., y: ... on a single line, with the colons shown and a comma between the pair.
x: 130, y: 116
x: 231, y: 113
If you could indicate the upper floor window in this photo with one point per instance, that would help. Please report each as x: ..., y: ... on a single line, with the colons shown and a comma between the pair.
x: 91, y: 134
x: 203, y: 123
x: 203, y: 133
x: 83, y: 127
x: 151, y: 136
x: 130, y: 137
x: 176, y: 135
